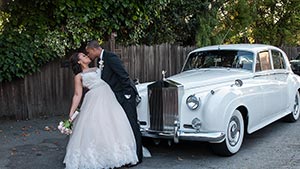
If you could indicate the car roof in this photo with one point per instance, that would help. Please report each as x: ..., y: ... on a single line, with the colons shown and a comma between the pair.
x: 247, y: 47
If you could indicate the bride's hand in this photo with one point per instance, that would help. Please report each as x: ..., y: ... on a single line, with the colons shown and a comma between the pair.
x: 70, y: 117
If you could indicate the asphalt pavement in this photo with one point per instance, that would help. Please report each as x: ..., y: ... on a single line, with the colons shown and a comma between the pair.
x: 37, y: 144
x: 32, y: 144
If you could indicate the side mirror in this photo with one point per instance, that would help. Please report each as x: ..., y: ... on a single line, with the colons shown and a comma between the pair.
x: 238, y: 82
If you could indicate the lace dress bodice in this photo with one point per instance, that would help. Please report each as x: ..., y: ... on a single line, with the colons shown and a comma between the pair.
x: 92, y: 78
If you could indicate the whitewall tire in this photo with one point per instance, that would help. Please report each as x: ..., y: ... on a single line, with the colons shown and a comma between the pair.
x: 294, y: 115
x: 234, y: 136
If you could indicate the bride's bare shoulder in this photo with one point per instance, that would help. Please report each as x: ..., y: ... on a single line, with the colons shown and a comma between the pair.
x: 77, y: 76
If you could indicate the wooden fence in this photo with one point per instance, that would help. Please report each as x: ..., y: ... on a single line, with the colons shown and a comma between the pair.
x: 44, y: 93
x: 147, y: 62
x: 49, y: 92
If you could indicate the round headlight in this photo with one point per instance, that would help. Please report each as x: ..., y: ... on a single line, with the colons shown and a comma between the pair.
x: 192, y: 102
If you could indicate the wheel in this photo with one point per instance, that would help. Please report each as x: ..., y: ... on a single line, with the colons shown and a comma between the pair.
x: 234, y: 136
x: 294, y: 115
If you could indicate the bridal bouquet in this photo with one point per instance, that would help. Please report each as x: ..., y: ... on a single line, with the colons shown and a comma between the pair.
x: 65, y: 127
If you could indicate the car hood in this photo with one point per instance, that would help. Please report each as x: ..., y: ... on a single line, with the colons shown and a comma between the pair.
x: 205, y: 77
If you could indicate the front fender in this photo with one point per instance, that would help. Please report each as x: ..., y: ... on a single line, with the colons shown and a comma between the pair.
x: 293, y: 88
x: 219, y: 107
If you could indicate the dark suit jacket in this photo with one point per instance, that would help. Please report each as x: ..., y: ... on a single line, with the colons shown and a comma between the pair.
x: 115, y: 75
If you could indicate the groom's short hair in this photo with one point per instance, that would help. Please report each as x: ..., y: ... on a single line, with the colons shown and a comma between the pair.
x: 93, y: 44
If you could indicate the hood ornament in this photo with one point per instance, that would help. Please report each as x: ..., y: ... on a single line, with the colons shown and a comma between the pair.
x: 163, y: 72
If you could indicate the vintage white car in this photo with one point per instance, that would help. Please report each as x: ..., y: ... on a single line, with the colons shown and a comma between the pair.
x: 222, y: 92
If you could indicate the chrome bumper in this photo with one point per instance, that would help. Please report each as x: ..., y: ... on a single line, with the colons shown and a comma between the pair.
x: 180, y: 135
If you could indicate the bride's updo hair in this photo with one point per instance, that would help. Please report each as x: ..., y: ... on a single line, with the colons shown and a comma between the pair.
x: 74, y: 63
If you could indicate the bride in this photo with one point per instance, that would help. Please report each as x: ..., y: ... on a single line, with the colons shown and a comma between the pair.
x: 102, y: 136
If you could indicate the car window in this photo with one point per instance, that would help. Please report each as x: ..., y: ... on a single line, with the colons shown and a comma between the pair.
x: 278, y: 60
x: 220, y: 58
x: 263, y: 61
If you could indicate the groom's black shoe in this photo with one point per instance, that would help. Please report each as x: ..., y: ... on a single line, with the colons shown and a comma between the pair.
x: 133, y: 165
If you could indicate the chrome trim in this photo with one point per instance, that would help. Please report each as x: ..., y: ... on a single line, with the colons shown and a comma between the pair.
x: 174, y: 83
x: 181, y: 135
x: 193, y: 99
x: 176, y: 129
x: 177, y: 134
x: 163, y: 106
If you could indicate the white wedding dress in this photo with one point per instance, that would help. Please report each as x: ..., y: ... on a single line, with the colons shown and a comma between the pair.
x: 102, y: 136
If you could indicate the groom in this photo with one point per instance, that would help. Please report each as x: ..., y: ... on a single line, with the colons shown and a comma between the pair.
x: 114, y: 73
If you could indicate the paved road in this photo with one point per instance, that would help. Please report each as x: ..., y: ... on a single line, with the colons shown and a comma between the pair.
x: 36, y: 144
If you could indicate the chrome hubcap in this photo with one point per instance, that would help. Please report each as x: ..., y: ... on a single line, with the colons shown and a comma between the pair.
x: 234, y: 130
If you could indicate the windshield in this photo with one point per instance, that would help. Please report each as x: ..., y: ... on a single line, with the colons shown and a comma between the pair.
x: 220, y: 58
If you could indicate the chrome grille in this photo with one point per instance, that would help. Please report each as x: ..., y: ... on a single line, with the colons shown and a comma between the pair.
x: 163, y: 106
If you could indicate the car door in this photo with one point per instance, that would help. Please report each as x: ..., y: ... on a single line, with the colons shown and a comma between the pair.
x: 280, y: 75
x: 269, y: 85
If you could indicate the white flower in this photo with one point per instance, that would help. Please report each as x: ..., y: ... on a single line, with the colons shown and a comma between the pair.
x: 101, y: 64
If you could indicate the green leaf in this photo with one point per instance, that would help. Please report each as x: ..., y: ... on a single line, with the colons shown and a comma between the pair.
x: 135, y: 18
